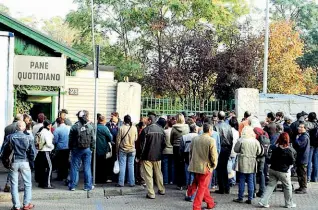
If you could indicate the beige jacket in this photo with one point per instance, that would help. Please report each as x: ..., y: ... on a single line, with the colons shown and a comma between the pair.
x: 247, y: 150
x: 128, y: 143
x: 169, y: 148
x: 203, y: 154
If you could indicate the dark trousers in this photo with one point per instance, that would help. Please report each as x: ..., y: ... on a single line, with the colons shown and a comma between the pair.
x: 43, y: 169
x: 260, y: 175
x: 138, y: 173
x: 222, y: 173
x: 101, y: 169
x: 302, y: 175
x: 179, y: 167
x: 62, y: 163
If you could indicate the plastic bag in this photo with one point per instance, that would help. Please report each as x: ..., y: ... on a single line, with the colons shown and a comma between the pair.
x: 116, y: 167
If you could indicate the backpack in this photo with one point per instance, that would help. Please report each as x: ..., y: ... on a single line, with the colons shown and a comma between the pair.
x: 265, y: 144
x: 39, y: 144
x: 84, y: 136
x: 7, y: 155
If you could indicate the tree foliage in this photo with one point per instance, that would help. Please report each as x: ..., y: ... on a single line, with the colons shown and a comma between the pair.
x: 285, y: 75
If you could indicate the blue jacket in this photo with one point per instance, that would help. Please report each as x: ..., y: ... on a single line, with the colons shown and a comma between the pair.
x: 61, y: 135
x: 23, y: 146
x: 302, y: 147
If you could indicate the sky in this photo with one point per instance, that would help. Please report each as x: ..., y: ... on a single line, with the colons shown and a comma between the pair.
x: 41, y: 9
x: 45, y: 9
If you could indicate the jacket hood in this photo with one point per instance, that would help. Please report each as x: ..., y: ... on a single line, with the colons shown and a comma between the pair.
x: 305, y: 134
x: 181, y: 127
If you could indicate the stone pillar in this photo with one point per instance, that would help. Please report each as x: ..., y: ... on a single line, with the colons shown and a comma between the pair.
x: 129, y: 100
x: 246, y: 99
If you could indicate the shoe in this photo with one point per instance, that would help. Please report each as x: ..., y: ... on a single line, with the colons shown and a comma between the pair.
x: 7, y: 188
x: 292, y: 206
x: 211, y: 207
x: 299, y: 189
x: 149, y: 197
x: 171, y: 183
x: 180, y: 188
x: 259, y: 194
x: 187, y: 198
x: 109, y: 181
x: 72, y: 189
x: 219, y: 192
x: 248, y: 202
x: 15, y: 208
x: 238, y: 200
x: 118, y: 185
x: 303, y: 191
x: 161, y: 193
x: 132, y: 185
x: 263, y: 205
x: 28, y: 207
x: 85, y: 189
x: 48, y: 187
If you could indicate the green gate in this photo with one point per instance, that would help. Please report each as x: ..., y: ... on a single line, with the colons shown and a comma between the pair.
x: 169, y: 106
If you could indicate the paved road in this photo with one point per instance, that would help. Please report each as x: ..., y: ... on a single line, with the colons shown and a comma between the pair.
x: 171, y: 201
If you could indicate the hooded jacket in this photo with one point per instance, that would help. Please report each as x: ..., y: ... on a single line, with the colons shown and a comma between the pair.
x: 302, y: 147
x: 178, y: 130
x: 282, y: 158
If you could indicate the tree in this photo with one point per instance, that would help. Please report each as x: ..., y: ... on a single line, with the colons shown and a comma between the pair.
x: 4, y: 9
x: 59, y: 30
x: 285, y: 75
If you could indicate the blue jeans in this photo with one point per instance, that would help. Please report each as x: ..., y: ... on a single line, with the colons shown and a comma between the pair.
x: 167, y: 168
x: 123, y: 159
x: 312, y: 168
x: 250, y: 185
x: 25, y: 171
x: 78, y: 156
x: 189, y: 175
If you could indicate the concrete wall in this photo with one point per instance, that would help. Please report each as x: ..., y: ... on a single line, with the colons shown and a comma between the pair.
x: 246, y: 99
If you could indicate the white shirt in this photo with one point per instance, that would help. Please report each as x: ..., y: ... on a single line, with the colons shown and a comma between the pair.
x: 47, y: 137
x: 236, y: 136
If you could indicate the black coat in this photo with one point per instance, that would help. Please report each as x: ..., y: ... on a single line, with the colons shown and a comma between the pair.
x: 152, y: 142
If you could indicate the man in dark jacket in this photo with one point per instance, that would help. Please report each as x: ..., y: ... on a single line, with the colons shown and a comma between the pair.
x: 226, y: 137
x: 81, y: 144
x: 152, y: 140
x: 302, y: 147
x: 312, y: 169
x: 270, y: 128
x: 294, y: 127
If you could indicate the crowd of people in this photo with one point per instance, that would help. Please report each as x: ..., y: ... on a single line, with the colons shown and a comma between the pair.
x: 194, y: 152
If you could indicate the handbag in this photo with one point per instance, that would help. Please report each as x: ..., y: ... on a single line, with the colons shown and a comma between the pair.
x: 116, y: 164
x: 109, y: 154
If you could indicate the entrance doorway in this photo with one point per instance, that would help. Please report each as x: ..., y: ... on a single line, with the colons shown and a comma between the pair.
x: 45, y: 108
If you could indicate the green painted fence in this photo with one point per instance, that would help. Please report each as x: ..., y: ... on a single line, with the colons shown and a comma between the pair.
x: 169, y: 106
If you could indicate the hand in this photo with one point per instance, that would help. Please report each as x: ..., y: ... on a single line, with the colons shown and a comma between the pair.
x: 137, y: 160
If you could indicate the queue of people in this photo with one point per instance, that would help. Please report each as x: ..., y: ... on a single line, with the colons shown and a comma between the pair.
x: 196, y: 153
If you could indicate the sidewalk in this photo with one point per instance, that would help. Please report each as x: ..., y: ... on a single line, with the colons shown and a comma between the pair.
x: 62, y: 192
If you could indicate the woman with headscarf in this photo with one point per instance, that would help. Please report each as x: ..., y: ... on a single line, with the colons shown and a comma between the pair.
x: 247, y: 149
x: 282, y: 159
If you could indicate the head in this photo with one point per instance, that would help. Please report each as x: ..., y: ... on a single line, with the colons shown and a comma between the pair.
x: 27, y: 118
x: 180, y: 119
x: 254, y: 122
x: 247, y: 114
x: 114, y: 117
x: 21, y: 126
x: 83, y: 116
x: 232, y: 113
x: 47, y: 124
x: 151, y: 119
x: 299, y: 115
x: 18, y: 117
x: 288, y: 119
x: 312, y: 117
x: 59, y: 121
x: 127, y: 120
x: 279, y: 116
x: 279, y: 128
x: 283, y: 140
x: 221, y: 115
x: 41, y: 118
x: 63, y: 114
x: 302, y: 128
x: 162, y: 122
x: 234, y: 123
x: 270, y: 117
x: 171, y: 122
x: 98, y: 116
x: 215, y: 116
x: 207, y: 128
x: 193, y: 128
x: 248, y: 132
x: 102, y: 120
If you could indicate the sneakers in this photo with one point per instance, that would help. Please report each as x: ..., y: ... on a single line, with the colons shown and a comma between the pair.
x: 85, y: 189
x: 238, y: 200
x: 263, y: 205
x: 28, y: 207
x: 292, y: 206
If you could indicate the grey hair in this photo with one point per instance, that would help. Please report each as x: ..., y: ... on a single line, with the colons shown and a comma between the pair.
x: 21, y: 125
